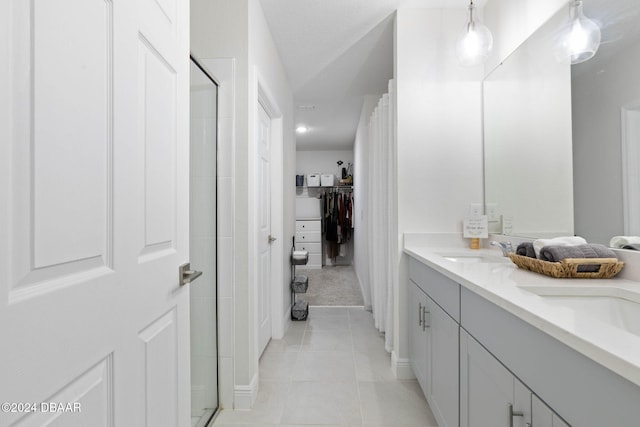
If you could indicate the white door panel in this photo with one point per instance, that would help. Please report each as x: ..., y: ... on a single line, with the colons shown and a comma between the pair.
x: 95, y: 179
x: 264, y: 228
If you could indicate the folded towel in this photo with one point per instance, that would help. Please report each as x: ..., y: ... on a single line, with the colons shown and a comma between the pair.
x: 556, y: 253
x: 557, y: 241
x: 526, y: 249
x: 621, y: 241
x: 299, y: 257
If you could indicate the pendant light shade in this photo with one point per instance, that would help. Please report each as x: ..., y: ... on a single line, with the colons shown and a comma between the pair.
x: 580, y: 39
x: 475, y: 43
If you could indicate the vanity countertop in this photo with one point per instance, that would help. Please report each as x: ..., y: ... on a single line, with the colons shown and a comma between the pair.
x: 513, y: 289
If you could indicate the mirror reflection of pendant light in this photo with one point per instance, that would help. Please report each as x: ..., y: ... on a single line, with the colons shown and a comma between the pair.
x: 475, y: 43
x: 580, y: 39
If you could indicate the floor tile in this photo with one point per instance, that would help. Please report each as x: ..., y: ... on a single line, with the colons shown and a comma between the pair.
x: 277, y: 365
x: 327, y: 340
x: 315, y: 402
x: 324, y: 366
x: 267, y: 410
x: 394, y: 403
x: 332, y: 371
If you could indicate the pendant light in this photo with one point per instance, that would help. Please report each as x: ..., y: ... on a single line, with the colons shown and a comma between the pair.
x: 475, y: 43
x: 580, y: 39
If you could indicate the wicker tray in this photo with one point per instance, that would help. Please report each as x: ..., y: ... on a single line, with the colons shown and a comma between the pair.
x: 598, y: 268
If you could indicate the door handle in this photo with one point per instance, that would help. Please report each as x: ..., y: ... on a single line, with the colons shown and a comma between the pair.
x: 186, y: 275
x: 512, y: 414
x: 426, y: 318
x: 272, y: 239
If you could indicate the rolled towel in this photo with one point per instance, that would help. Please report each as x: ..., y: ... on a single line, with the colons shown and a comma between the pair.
x: 622, y: 241
x: 556, y: 253
x: 557, y: 241
x: 526, y: 249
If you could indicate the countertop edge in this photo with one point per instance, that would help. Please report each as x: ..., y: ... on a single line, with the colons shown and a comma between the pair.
x: 595, y: 350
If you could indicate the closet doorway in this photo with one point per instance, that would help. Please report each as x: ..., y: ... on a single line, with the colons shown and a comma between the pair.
x: 202, y: 246
x: 325, y: 227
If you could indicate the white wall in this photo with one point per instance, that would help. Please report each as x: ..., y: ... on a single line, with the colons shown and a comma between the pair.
x: 439, y: 130
x: 439, y: 137
x: 512, y: 22
x: 237, y: 29
x: 267, y: 74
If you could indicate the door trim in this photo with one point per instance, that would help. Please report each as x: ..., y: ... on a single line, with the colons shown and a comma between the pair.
x: 267, y: 101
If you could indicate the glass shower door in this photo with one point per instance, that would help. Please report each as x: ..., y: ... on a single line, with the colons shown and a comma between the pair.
x: 204, y: 343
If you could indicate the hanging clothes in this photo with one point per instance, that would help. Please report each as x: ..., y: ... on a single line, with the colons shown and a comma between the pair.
x: 337, y: 214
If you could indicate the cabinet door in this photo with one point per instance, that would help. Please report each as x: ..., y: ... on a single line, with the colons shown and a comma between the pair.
x: 486, y: 388
x: 444, y: 372
x: 419, y: 336
x: 543, y: 416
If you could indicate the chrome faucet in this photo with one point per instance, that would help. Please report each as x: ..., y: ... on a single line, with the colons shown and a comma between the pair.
x: 506, y: 247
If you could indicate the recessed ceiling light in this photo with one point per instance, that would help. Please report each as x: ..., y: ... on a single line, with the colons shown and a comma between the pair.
x: 302, y: 129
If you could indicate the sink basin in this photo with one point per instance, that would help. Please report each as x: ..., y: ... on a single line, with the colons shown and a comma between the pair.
x: 600, y: 304
x: 475, y: 258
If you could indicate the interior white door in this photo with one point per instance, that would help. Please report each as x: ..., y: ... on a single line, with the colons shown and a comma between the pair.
x: 263, y: 132
x: 94, y: 218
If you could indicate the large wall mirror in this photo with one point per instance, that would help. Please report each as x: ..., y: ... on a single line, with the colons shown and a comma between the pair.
x: 562, y: 143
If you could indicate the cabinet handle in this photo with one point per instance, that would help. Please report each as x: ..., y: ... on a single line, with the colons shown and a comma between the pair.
x: 513, y: 413
x: 419, y: 314
x: 426, y: 321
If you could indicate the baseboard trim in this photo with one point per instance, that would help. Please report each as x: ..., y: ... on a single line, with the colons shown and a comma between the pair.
x: 244, y: 396
x: 401, y: 367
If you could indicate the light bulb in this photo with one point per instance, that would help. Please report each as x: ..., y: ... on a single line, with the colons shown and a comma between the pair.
x: 580, y: 39
x: 475, y: 43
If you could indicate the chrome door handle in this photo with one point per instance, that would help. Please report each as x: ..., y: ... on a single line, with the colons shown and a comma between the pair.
x: 272, y: 239
x: 512, y: 414
x: 426, y: 321
x: 187, y: 275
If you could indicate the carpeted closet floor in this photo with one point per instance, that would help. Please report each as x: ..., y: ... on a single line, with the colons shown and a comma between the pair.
x: 332, y: 286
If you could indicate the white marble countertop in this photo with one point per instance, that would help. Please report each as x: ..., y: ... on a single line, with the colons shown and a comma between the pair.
x: 513, y: 289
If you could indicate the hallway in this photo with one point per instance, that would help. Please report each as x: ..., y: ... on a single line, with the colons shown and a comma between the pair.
x: 332, y: 370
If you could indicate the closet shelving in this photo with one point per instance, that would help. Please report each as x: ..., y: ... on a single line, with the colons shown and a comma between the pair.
x: 338, y: 187
x: 299, y: 285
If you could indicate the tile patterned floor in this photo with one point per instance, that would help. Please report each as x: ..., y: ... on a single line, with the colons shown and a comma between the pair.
x: 331, y: 370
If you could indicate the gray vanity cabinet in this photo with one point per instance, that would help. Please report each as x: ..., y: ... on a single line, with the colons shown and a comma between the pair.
x: 420, y: 336
x: 491, y: 396
x: 543, y: 416
x: 434, y: 343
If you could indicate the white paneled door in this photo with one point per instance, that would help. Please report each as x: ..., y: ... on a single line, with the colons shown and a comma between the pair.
x: 264, y: 228
x: 94, y: 185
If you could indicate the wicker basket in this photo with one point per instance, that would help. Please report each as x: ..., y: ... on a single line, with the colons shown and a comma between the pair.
x: 584, y: 268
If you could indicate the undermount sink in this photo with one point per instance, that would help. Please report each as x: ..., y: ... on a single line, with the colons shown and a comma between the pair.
x: 600, y: 304
x: 475, y: 258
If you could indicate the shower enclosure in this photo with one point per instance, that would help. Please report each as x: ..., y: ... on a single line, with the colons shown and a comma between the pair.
x: 203, y: 231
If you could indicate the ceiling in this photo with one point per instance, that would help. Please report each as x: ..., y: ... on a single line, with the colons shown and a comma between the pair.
x: 335, y: 52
